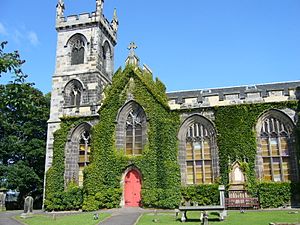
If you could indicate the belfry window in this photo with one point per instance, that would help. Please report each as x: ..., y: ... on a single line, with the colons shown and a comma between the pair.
x: 275, y: 150
x: 77, y: 45
x: 198, y: 155
x: 84, y: 155
x: 73, y: 93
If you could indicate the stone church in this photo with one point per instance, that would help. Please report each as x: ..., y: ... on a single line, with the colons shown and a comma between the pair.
x: 126, y: 142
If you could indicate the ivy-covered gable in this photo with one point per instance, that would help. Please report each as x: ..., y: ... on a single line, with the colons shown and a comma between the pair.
x: 158, y: 161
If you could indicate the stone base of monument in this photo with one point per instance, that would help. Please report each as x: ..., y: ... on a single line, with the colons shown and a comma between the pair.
x: 26, y: 215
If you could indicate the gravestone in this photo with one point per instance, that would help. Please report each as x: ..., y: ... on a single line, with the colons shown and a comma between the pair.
x: 28, y: 207
x: 237, y: 181
x: 2, y: 201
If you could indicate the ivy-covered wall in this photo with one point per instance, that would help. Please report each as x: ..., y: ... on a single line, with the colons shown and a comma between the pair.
x: 158, y: 163
x: 236, y: 134
x: 55, y: 186
x: 161, y: 185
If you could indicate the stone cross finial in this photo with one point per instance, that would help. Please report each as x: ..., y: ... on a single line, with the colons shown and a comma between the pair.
x: 132, y: 46
x: 132, y: 59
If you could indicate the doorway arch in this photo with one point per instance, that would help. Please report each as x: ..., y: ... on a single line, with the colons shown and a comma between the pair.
x: 132, y: 186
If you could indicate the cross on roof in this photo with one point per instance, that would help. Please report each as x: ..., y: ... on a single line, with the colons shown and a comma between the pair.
x: 131, y: 48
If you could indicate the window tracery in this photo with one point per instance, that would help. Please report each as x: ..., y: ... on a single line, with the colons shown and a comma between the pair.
x: 275, y: 149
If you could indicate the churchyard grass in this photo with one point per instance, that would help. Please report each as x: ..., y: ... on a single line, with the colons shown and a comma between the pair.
x: 75, y: 219
x: 234, y: 218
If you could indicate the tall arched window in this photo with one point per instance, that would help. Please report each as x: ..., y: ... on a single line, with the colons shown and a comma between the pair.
x: 84, y: 155
x: 134, y: 135
x: 77, y: 153
x: 131, y: 129
x: 73, y: 93
x: 77, y: 45
x: 275, y: 147
x: 198, y: 151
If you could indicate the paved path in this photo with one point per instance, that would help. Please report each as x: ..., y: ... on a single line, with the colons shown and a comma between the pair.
x: 124, y: 216
x: 6, y: 217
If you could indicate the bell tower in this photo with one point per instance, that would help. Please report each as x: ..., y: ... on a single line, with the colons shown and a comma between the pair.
x: 84, y: 65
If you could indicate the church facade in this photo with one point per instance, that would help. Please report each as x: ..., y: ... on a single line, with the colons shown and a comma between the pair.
x: 118, y: 139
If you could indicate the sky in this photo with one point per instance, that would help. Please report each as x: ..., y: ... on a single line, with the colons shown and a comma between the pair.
x: 191, y: 44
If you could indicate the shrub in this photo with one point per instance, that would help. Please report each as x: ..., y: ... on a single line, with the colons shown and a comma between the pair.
x: 206, y: 194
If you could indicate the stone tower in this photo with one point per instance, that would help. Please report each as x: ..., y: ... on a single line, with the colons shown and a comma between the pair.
x: 84, y: 65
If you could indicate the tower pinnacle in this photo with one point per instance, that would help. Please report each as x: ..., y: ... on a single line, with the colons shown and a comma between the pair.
x: 60, y: 7
x: 115, y: 21
x: 99, y: 7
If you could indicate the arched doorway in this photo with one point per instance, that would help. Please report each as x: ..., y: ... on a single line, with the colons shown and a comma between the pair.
x: 132, y: 188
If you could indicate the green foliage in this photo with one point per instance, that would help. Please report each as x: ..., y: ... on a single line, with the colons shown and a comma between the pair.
x: 55, y: 174
x: 24, y: 113
x: 206, y: 194
x: 158, y: 164
x: 70, y: 199
x: 273, y: 195
x: 11, y: 62
x: 236, y: 136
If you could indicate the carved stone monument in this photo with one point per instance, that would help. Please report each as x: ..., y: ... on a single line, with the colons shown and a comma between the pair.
x: 237, y: 181
x: 28, y: 207
x: 2, y: 201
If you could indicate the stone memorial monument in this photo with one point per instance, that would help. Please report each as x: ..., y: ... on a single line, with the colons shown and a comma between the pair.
x: 237, y: 181
x: 2, y: 201
x: 28, y: 207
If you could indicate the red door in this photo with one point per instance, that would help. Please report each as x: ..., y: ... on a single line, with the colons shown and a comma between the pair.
x: 132, y: 189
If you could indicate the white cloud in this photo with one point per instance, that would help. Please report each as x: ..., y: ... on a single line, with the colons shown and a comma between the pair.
x: 33, y: 38
x: 17, y: 36
x: 3, y: 30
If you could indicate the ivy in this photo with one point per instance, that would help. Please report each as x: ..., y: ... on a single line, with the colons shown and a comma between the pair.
x: 158, y: 164
x: 236, y: 136
x: 55, y: 186
x: 161, y: 186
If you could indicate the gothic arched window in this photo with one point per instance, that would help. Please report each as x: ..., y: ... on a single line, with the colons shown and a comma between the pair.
x: 77, y: 153
x: 107, y: 58
x: 275, y: 148
x: 84, y: 155
x: 73, y: 93
x: 77, y: 44
x: 134, y: 134
x: 131, y: 129
x: 198, y: 151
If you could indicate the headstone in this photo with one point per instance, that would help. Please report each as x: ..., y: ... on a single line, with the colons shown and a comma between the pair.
x: 28, y: 207
x: 2, y: 201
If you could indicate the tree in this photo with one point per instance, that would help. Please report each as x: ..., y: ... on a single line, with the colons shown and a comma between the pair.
x: 24, y: 111
x: 11, y: 62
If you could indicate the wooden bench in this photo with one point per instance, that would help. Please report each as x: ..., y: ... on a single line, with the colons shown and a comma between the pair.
x: 242, y: 203
x: 203, y: 209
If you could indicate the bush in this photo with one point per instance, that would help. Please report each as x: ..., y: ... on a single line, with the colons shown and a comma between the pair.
x: 71, y: 199
x: 274, y: 195
x: 206, y: 194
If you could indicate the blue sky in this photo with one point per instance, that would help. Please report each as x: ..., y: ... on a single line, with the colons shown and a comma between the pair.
x: 190, y: 44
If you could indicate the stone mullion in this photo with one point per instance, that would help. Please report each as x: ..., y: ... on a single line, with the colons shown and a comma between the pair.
x: 203, y: 160
x: 271, y: 157
x: 280, y: 158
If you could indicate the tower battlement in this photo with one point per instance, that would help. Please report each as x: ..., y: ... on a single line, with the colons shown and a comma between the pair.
x: 86, y: 20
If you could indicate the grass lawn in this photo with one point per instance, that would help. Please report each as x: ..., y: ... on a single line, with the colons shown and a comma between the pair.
x: 76, y: 219
x: 234, y: 218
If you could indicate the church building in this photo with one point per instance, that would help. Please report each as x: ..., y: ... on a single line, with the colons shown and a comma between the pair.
x: 117, y: 139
